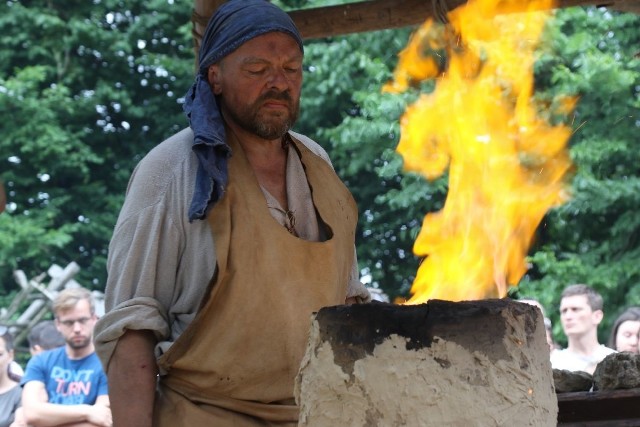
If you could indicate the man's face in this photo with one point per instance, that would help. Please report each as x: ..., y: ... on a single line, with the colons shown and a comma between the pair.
x: 577, y: 317
x: 76, y: 325
x: 259, y: 85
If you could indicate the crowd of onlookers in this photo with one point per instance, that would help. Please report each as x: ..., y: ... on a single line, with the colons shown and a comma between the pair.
x: 63, y: 383
x: 581, y: 311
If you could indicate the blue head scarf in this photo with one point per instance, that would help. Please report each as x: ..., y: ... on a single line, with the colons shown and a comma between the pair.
x: 234, y: 23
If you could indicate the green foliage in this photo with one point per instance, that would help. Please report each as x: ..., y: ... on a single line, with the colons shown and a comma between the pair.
x: 86, y: 88
x: 595, y: 237
x: 589, y: 53
x: 344, y: 108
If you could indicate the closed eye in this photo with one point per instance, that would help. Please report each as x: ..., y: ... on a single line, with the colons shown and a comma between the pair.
x: 256, y: 72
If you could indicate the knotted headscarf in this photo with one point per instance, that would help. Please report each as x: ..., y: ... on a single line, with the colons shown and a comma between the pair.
x: 234, y: 23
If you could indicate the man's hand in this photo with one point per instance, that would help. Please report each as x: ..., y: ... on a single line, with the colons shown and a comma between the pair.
x: 99, y: 415
x: 18, y: 419
x: 38, y: 412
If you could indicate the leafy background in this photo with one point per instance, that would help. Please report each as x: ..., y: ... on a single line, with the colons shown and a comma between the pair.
x: 87, y: 88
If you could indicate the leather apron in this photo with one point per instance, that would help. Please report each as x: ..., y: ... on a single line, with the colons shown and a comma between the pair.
x: 235, y: 364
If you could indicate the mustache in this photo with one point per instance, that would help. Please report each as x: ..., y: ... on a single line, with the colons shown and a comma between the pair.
x: 274, y: 95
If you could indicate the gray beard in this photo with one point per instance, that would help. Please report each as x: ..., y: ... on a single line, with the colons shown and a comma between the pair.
x: 271, y: 128
x: 270, y: 132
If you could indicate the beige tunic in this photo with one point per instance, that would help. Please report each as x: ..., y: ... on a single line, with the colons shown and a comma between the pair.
x: 236, y: 363
x: 157, y: 277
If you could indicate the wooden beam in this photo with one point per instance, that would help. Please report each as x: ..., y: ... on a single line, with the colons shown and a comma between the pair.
x: 364, y: 16
x: 374, y: 15
x: 599, y: 408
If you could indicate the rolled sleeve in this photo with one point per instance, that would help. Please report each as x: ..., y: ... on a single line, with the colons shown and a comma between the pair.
x: 159, y: 264
x: 136, y: 314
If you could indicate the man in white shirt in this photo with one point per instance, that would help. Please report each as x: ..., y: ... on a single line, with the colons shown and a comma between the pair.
x: 580, y: 314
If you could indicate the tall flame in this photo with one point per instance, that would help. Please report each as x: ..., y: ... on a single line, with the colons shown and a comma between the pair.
x: 506, y: 165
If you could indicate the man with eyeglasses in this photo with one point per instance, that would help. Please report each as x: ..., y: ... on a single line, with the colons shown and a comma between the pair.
x: 67, y: 385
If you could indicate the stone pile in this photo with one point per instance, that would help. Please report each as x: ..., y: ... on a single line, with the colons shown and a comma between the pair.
x: 617, y: 371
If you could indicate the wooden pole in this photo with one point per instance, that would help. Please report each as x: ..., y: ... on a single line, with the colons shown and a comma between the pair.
x: 202, y: 11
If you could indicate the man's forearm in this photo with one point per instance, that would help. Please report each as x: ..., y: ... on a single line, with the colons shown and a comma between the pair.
x: 46, y: 414
x: 132, y: 375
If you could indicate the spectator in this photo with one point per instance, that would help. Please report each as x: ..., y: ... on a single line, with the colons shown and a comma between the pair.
x: 548, y: 327
x: 44, y: 336
x: 547, y: 322
x: 9, y: 390
x: 624, y: 334
x: 580, y: 314
x: 67, y: 386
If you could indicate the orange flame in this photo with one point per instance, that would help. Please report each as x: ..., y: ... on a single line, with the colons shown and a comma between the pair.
x: 506, y: 165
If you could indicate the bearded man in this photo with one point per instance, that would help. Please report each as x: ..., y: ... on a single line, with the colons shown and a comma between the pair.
x: 233, y: 232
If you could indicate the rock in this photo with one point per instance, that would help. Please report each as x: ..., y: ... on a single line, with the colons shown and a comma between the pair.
x: 568, y: 381
x: 618, y: 371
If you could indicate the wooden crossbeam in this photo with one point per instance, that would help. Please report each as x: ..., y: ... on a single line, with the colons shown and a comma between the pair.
x: 374, y: 15
x: 364, y: 16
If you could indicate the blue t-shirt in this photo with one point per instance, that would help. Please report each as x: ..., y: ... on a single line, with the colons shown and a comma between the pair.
x: 68, y: 382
